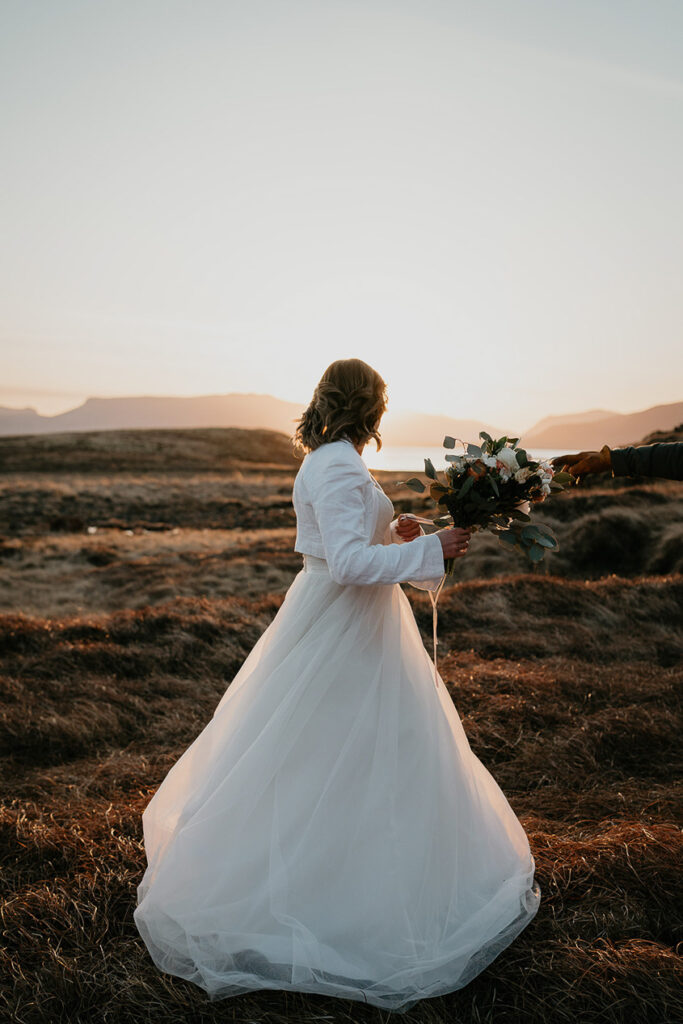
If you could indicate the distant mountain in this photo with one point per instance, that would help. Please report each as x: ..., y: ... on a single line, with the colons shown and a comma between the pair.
x: 158, y: 412
x: 404, y: 428
x: 613, y: 429
x: 20, y: 421
x: 571, y: 418
x: 232, y: 410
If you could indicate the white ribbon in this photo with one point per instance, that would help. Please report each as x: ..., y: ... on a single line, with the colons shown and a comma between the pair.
x: 434, y: 599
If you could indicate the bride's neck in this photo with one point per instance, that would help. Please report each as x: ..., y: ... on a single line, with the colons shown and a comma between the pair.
x: 359, y: 447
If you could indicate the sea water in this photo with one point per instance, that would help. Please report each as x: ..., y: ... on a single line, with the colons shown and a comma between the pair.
x: 410, y: 458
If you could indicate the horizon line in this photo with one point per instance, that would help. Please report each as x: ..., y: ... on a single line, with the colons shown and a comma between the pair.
x: 289, y: 401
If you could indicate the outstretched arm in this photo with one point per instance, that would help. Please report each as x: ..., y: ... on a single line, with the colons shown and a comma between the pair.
x: 663, y: 459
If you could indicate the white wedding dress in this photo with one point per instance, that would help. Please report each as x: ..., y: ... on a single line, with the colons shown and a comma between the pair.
x: 330, y: 830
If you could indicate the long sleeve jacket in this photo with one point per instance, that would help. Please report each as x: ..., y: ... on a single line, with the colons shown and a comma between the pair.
x: 664, y: 459
x: 342, y: 516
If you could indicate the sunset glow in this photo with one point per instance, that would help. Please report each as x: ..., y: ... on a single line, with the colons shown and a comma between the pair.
x: 482, y: 201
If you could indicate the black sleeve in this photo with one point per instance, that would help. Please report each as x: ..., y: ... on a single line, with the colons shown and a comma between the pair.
x: 664, y: 459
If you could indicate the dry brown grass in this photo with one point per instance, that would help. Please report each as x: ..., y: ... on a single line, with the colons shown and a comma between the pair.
x: 112, y: 569
x: 115, y: 649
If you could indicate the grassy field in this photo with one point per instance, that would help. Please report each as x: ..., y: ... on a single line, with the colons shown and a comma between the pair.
x: 140, y: 567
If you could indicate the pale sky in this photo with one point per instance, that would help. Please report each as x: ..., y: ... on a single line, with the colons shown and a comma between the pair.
x: 483, y: 200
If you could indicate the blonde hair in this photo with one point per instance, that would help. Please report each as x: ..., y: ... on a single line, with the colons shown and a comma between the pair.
x: 349, y: 401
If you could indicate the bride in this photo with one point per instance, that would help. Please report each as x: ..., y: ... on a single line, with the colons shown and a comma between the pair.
x: 330, y: 830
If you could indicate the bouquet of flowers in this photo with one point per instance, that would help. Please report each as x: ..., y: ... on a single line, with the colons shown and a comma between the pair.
x: 492, y: 486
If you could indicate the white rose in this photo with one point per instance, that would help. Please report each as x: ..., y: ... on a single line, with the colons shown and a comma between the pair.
x: 522, y: 475
x: 508, y: 457
x: 489, y: 460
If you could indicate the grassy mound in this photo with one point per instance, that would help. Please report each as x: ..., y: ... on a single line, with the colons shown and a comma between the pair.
x: 211, y: 449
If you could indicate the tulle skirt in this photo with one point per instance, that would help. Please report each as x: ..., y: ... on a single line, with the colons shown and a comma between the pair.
x: 330, y: 830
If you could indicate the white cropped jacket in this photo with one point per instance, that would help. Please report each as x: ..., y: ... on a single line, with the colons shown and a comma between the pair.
x: 336, y: 503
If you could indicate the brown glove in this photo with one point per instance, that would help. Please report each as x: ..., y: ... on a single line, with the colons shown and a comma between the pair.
x: 585, y: 462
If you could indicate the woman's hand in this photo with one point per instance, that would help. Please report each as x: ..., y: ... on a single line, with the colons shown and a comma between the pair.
x: 454, y: 541
x: 407, y: 528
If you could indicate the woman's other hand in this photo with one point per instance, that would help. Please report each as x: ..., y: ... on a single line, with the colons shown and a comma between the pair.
x: 454, y: 541
x: 407, y: 528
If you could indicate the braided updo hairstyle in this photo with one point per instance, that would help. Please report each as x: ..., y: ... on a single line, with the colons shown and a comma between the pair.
x: 349, y: 401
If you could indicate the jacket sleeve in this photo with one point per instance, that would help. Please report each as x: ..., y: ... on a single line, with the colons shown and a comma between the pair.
x: 664, y: 459
x: 340, y: 499
x: 395, y: 538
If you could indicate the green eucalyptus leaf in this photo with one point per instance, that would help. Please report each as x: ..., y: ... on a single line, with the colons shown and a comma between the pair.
x: 414, y: 484
x: 467, y: 486
x: 448, y: 442
x: 429, y: 469
x: 472, y: 449
x: 536, y: 553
